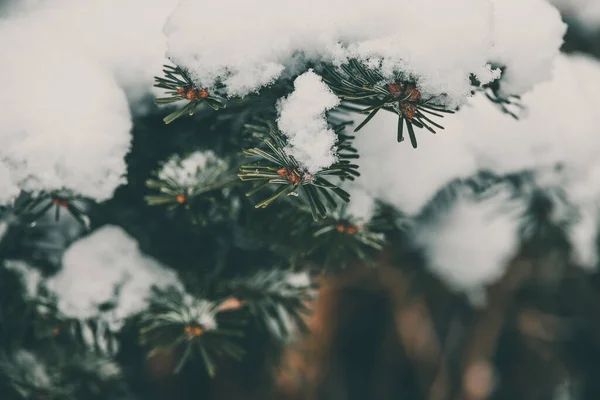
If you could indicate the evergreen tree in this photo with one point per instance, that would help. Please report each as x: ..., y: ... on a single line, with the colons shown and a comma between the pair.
x: 250, y: 220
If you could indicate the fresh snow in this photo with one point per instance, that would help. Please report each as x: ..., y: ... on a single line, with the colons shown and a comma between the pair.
x: 65, y: 128
x: 560, y: 127
x: 302, y: 120
x: 526, y: 50
x: 393, y: 36
x: 68, y: 69
x: 185, y: 171
x: 107, y: 266
x: 469, y: 244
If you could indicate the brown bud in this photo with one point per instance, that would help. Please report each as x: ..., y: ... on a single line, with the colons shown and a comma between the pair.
x: 351, y: 229
x: 192, y: 94
x: 203, y: 93
x: 283, y: 172
x: 193, y: 330
x: 348, y: 229
x: 291, y: 176
x: 197, y: 331
x: 231, y: 304
x: 396, y: 89
x: 408, y: 110
x: 412, y: 93
x: 58, y: 201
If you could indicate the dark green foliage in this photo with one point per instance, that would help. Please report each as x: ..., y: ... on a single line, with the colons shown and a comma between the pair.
x: 189, y: 326
x: 180, y: 87
x: 30, y: 208
x: 277, y: 167
x: 276, y: 299
x: 360, y: 85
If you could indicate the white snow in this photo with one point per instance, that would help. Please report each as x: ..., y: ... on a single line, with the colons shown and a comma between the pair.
x: 302, y: 119
x: 437, y: 42
x: 559, y: 127
x: 527, y: 38
x: 362, y: 204
x: 298, y: 280
x: 51, y: 136
x: 113, y: 34
x: 107, y: 266
x: 201, y: 311
x: 469, y: 245
x: 68, y: 67
x: 406, y: 177
x: 186, y: 171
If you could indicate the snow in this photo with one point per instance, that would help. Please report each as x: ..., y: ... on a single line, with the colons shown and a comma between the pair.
x: 527, y: 49
x: 113, y: 34
x: 72, y: 130
x: 298, y: 280
x: 281, y: 38
x: 201, y: 311
x: 362, y: 204
x: 68, y: 69
x: 401, y: 175
x: 49, y: 137
x: 302, y: 119
x: 107, y: 266
x: 469, y: 244
x: 186, y: 171
x: 560, y: 127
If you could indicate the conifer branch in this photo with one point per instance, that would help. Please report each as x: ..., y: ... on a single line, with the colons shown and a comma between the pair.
x: 282, y: 169
x: 358, y: 84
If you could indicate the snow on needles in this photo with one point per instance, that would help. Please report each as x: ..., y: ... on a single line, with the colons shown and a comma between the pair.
x: 68, y: 69
x: 302, y: 119
x: 69, y: 65
x: 107, y: 267
x: 185, y: 171
x: 560, y: 127
x: 439, y: 43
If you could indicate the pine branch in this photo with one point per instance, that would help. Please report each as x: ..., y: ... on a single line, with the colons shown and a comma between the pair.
x: 358, y: 84
x: 281, y: 169
x: 175, y: 192
x: 510, y: 104
x: 276, y: 299
x: 30, y: 208
x: 341, y: 240
x: 180, y: 87
x: 176, y: 321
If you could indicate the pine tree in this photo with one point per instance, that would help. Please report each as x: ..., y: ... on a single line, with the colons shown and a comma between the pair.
x: 248, y: 220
